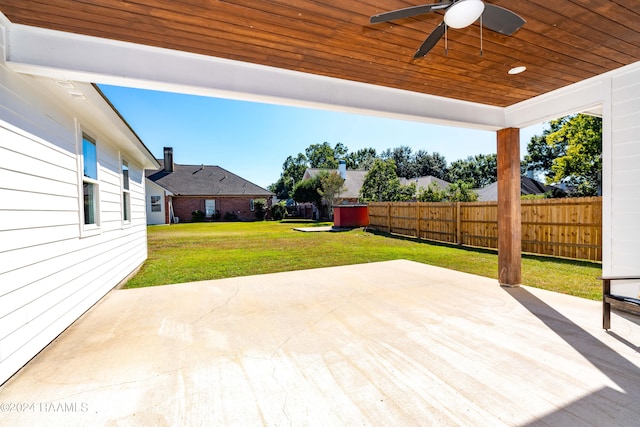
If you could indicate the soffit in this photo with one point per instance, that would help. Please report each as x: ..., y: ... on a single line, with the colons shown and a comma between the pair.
x: 562, y: 42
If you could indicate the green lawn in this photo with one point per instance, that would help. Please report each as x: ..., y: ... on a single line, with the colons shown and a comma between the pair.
x: 189, y: 252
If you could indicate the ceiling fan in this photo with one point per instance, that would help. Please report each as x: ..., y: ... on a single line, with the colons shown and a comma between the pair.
x: 458, y: 14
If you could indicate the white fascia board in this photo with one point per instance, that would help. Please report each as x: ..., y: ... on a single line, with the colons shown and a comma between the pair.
x: 84, y: 103
x: 76, y: 57
x: 587, y: 96
x: 109, y: 121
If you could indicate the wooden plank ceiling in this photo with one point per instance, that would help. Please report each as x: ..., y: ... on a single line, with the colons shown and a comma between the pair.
x: 561, y: 43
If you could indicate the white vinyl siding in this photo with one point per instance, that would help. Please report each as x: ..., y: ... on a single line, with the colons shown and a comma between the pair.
x: 155, y: 216
x: 49, y: 274
x: 625, y: 174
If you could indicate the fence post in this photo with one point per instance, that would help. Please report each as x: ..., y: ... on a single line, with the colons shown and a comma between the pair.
x: 418, y: 220
x: 389, y: 217
x: 458, y: 231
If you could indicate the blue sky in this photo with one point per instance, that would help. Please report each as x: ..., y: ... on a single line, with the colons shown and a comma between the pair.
x: 253, y: 140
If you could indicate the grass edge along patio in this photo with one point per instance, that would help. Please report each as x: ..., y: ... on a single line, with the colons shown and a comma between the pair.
x: 203, y: 251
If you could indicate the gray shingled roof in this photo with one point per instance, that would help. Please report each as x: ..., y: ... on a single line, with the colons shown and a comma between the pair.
x: 204, y: 180
x: 353, y: 182
x: 527, y: 186
x: 425, y: 181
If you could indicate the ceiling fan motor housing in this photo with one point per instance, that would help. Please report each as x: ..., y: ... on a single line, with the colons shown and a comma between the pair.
x: 463, y: 13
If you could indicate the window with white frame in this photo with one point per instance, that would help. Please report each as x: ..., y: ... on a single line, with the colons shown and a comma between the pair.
x: 209, y: 208
x: 156, y: 204
x: 251, y: 205
x: 90, y: 186
x: 126, y: 193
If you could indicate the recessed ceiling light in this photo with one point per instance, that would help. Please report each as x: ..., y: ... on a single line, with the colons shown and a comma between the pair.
x: 517, y: 70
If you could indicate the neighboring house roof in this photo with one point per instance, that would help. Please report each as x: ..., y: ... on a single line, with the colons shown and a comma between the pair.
x: 353, y: 182
x: 527, y: 186
x: 204, y: 180
x: 425, y: 181
x: 151, y: 184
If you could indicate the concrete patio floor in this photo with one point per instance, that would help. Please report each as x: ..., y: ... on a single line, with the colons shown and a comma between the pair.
x: 391, y: 343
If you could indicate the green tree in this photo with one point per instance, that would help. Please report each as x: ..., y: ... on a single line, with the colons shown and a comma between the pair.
x: 568, y: 152
x: 293, y: 167
x: 331, y: 185
x: 306, y: 191
x: 430, y: 164
x: 403, y: 159
x: 340, y: 151
x: 478, y: 171
x: 293, y: 170
x: 279, y: 188
x: 540, y: 155
x: 323, y: 156
x: 361, y: 159
x: 405, y: 193
x: 460, y: 191
x: 381, y: 182
x: 461, y: 170
x: 578, y: 163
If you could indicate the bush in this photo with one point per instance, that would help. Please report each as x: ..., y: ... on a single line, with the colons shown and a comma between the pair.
x: 260, y: 207
x: 230, y: 216
x: 278, y: 211
x: 197, y: 216
x: 216, y: 215
x: 432, y: 193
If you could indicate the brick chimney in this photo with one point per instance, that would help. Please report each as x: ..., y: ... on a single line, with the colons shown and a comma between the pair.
x: 168, y: 159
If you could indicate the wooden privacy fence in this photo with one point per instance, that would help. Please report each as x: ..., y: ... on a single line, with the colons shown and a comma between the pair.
x: 570, y: 227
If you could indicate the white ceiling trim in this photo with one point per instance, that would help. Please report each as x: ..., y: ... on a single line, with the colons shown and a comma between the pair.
x: 74, y: 57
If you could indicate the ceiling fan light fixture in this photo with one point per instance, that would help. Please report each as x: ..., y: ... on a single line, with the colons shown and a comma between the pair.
x: 463, y: 13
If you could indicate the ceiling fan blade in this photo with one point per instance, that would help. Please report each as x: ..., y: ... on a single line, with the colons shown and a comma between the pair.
x: 501, y: 20
x: 431, y: 41
x: 408, y: 12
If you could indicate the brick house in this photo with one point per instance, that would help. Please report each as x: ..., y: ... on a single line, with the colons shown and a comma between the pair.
x: 212, y: 190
